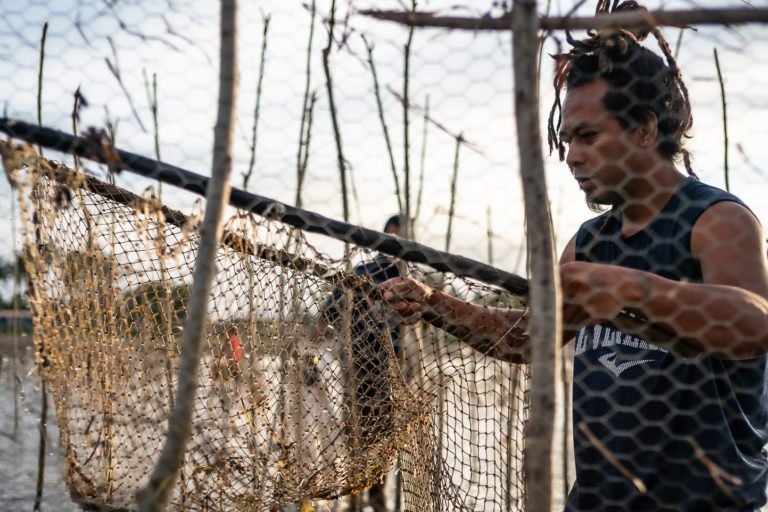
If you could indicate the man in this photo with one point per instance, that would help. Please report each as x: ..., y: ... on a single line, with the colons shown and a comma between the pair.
x: 684, y: 413
x: 370, y: 331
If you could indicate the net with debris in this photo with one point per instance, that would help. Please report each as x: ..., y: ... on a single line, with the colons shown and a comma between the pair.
x: 310, y: 387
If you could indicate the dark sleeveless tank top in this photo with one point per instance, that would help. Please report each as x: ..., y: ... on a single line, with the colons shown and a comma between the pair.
x: 669, y: 421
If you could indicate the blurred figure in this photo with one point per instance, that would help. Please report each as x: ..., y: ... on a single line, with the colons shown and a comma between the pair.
x: 371, y: 329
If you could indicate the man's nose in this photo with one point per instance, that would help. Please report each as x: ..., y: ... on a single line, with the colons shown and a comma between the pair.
x: 574, y: 156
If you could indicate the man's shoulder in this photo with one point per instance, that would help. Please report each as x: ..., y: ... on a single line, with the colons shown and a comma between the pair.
x: 705, y: 194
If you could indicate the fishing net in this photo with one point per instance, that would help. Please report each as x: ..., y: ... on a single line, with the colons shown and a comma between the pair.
x: 310, y: 387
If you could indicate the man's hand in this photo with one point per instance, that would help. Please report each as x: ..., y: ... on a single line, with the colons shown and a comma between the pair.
x: 407, y: 297
x: 594, y: 292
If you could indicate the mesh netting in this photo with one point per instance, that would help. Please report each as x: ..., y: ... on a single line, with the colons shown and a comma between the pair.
x: 309, y: 386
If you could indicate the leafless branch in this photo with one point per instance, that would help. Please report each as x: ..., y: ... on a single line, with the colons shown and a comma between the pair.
x: 719, y: 475
x: 114, y: 68
x: 431, y: 120
x: 144, y: 37
x: 382, y: 120
x: 257, y: 107
x: 611, y: 458
x: 342, y: 163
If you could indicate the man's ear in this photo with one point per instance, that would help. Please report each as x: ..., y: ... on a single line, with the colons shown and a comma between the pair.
x: 648, y: 130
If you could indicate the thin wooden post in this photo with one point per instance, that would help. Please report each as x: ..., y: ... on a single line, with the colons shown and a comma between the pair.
x: 156, y: 495
x: 545, y: 325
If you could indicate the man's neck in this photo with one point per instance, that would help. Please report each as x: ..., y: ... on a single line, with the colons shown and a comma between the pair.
x: 647, y: 196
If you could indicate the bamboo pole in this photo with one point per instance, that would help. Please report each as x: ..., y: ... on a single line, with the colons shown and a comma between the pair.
x: 626, y: 19
x: 545, y: 324
x: 156, y: 495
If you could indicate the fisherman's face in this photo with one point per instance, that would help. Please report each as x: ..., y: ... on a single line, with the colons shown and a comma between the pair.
x: 602, y: 155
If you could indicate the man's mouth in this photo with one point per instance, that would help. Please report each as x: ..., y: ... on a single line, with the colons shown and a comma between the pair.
x: 585, y: 183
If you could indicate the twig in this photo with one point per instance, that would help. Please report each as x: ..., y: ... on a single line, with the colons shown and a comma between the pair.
x: 157, y: 493
x: 387, y: 140
x: 489, y: 234
x: 719, y: 475
x: 431, y: 120
x: 627, y: 19
x: 153, y: 105
x: 452, y: 203
x: 40, y: 80
x: 144, y: 37
x: 303, y: 151
x: 544, y: 37
x: 115, y: 70
x: 307, y: 145
x: 186, y: 39
x: 76, y: 106
x: 257, y: 108
x: 112, y: 168
x: 748, y: 161
x: 336, y: 130
x: 422, y: 161
x: 725, y: 121
x: 406, y: 128
x: 605, y: 452
x: 679, y: 43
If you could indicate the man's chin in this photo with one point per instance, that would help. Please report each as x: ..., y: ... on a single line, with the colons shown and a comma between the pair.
x: 595, y: 204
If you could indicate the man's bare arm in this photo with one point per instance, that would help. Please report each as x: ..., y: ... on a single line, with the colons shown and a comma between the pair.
x: 726, y: 315
x: 497, y: 332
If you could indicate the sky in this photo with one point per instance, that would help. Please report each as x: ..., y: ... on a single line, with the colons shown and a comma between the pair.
x: 464, y: 77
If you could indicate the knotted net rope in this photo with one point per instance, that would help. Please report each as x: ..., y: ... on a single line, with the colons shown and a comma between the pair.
x: 310, y: 387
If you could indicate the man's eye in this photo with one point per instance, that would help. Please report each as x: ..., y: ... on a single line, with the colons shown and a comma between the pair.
x: 587, y: 136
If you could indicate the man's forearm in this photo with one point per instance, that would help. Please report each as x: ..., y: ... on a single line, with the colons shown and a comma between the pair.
x: 499, y: 333
x: 724, y: 321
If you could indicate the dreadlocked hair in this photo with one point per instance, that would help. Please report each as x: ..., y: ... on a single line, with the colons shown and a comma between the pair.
x: 639, y: 81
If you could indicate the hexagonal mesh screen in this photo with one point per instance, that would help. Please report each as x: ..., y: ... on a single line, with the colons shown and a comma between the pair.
x: 365, y: 372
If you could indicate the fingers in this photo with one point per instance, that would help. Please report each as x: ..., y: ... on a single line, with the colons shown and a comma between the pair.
x: 403, y: 289
x: 410, y: 312
x: 592, y: 292
x: 405, y: 296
